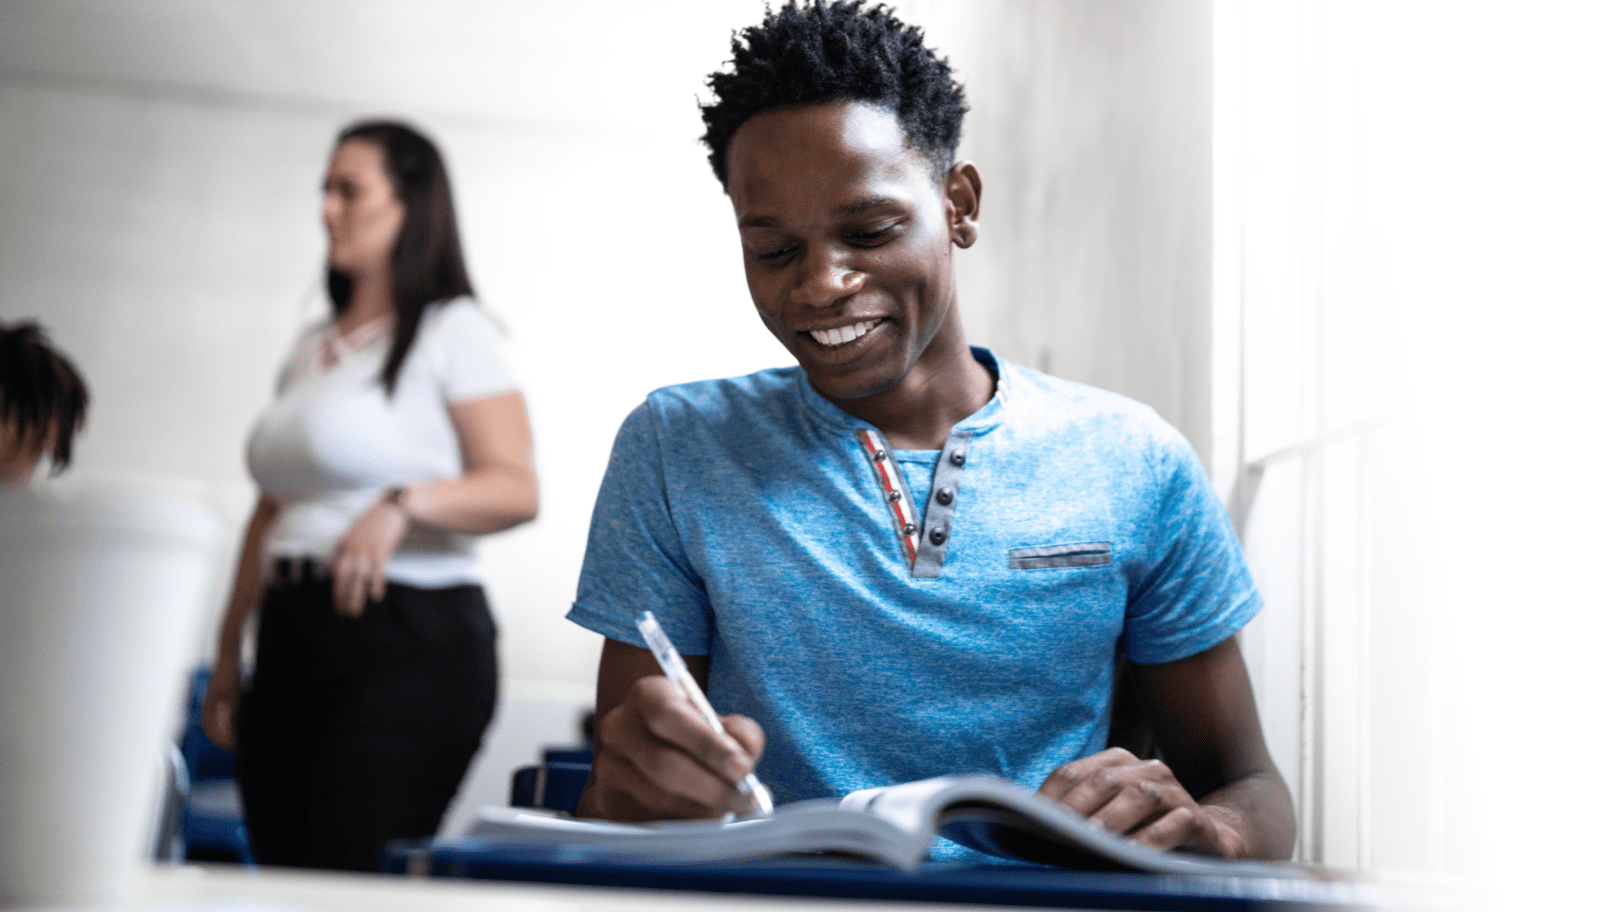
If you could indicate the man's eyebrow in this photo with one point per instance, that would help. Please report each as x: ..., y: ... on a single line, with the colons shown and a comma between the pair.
x: 855, y: 208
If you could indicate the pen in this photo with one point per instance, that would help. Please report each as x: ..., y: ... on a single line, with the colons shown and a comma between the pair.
x: 675, y: 669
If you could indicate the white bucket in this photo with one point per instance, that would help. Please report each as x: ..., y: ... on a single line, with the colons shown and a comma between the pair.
x: 100, y: 596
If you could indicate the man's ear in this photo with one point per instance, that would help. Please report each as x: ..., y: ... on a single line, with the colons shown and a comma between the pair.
x: 963, y: 190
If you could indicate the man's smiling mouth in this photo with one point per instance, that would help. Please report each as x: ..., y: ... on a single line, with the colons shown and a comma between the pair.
x: 843, y: 334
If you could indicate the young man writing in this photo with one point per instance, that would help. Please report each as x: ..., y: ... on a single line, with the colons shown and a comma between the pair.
x: 905, y: 557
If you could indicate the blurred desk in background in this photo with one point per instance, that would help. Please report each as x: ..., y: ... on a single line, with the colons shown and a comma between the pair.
x: 843, y: 880
x: 228, y: 888
x: 232, y: 889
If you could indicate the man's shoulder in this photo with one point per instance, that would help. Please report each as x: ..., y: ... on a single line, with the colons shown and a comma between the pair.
x: 1095, y: 426
x: 1044, y: 399
x: 763, y: 391
x: 723, y: 421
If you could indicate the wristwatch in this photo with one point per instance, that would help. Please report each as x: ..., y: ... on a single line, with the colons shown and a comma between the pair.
x: 396, y: 496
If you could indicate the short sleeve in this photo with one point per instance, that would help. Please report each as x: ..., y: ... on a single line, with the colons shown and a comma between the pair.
x: 1194, y: 589
x: 470, y: 353
x: 634, y: 557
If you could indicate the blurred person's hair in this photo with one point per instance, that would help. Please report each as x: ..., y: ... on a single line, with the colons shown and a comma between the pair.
x: 841, y: 51
x: 428, y: 267
x: 41, y: 393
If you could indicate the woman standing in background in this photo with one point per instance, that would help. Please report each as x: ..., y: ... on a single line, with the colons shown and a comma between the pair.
x: 397, y: 435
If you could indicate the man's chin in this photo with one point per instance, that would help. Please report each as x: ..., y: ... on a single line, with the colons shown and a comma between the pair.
x: 865, y: 370
x: 851, y: 388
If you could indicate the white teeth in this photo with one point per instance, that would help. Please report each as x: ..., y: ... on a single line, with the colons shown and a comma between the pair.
x: 843, y: 334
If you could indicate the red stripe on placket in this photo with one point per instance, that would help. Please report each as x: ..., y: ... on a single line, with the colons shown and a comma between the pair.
x: 900, y: 507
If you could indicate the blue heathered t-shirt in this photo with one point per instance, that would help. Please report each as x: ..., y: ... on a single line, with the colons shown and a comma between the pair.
x: 961, y: 615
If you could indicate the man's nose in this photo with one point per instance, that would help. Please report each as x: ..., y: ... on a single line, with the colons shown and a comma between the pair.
x: 825, y: 277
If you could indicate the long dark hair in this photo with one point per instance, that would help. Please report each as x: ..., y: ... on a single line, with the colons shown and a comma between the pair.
x: 428, y: 268
x: 40, y: 390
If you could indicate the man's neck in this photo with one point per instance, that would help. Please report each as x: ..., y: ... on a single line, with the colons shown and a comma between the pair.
x: 935, y: 395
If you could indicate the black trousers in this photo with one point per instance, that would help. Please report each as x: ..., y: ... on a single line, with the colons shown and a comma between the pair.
x: 355, y: 731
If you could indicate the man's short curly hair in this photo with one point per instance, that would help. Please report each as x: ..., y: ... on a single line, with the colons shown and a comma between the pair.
x: 840, y: 51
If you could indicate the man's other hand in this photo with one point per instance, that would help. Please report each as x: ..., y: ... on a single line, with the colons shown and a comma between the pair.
x: 1225, y: 795
x: 1141, y: 799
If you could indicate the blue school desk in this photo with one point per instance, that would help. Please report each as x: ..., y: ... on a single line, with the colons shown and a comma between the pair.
x: 842, y: 878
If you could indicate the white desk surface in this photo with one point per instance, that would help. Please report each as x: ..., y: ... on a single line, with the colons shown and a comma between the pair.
x: 221, y: 888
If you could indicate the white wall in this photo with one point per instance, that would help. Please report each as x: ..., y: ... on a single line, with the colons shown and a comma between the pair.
x: 1091, y: 125
x: 1492, y: 191
x: 1422, y: 196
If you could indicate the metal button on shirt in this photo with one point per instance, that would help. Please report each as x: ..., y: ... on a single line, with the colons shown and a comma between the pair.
x: 918, y: 508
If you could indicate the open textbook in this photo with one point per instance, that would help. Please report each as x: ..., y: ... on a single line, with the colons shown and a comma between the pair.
x: 894, y: 825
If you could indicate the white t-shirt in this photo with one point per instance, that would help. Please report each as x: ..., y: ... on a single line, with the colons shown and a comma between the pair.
x: 334, y: 441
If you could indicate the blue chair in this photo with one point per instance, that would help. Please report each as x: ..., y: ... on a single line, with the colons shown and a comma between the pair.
x: 212, y: 824
x: 556, y: 783
x: 168, y: 837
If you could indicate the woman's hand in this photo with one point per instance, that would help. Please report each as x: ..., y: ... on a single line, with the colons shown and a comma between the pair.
x: 219, y: 705
x: 361, y: 556
x: 496, y: 491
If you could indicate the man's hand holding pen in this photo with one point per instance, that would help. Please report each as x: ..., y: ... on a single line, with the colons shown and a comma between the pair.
x: 657, y: 758
x: 661, y: 751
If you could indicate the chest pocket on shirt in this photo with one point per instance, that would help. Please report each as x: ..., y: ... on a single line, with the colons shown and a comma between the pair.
x: 1080, y: 554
